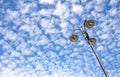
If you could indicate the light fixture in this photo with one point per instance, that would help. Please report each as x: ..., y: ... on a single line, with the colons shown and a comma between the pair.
x: 91, y: 41
x: 89, y: 23
x: 74, y: 38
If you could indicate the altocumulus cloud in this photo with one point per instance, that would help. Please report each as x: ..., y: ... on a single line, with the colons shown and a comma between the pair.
x: 34, y: 38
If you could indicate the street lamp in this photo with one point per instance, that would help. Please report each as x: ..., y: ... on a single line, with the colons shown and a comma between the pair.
x: 74, y: 37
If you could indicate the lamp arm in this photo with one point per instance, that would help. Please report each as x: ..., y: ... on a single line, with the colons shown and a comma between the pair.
x: 75, y: 30
x: 84, y: 32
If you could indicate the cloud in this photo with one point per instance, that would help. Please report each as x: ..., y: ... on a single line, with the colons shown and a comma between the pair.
x: 0, y: 23
x: 114, y: 2
x: 77, y: 9
x: 46, y: 1
x: 11, y: 15
x: 113, y: 12
x: 35, y: 39
x: 60, y: 9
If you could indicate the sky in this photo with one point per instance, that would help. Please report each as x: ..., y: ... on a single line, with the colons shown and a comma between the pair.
x: 34, y: 38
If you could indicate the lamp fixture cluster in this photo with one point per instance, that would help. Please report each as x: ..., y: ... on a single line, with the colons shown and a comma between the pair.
x: 87, y: 24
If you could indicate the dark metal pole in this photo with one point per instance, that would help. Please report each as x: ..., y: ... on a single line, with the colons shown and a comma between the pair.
x: 99, y: 61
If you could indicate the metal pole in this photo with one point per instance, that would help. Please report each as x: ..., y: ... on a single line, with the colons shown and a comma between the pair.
x: 99, y: 61
x: 85, y: 34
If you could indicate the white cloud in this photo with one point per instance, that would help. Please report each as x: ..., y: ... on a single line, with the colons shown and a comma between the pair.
x: 7, y: 72
x: 9, y: 35
x: 100, y: 1
x: 26, y: 28
x: 26, y: 7
x: 45, y: 12
x: 52, y: 31
x: 60, y: 9
x: 43, y: 40
x: 45, y: 23
x: 113, y: 12
x: 89, y: 6
x: 60, y: 41
x: 112, y: 45
x: 100, y: 48
x: 118, y: 43
x: 77, y: 9
x: 83, y: 1
x: 74, y: 1
x: 104, y: 36
x: 11, y: 15
x: 64, y: 24
x: 57, y: 73
x: 113, y: 2
x: 46, y: 51
x: 81, y: 43
x: 0, y: 23
x: 99, y: 8
x: 21, y: 46
x: 46, y: 1
x: 74, y: 21
x: 15, y: 54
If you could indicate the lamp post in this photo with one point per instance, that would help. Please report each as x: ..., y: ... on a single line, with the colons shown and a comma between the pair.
x: 74, y: 37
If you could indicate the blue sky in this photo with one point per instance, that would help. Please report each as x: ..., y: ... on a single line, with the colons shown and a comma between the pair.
x: 34, y: 38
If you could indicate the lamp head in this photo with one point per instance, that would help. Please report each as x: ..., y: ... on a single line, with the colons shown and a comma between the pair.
x: 92, y: 40
x: 74, y: 38
x: 89, y: 23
